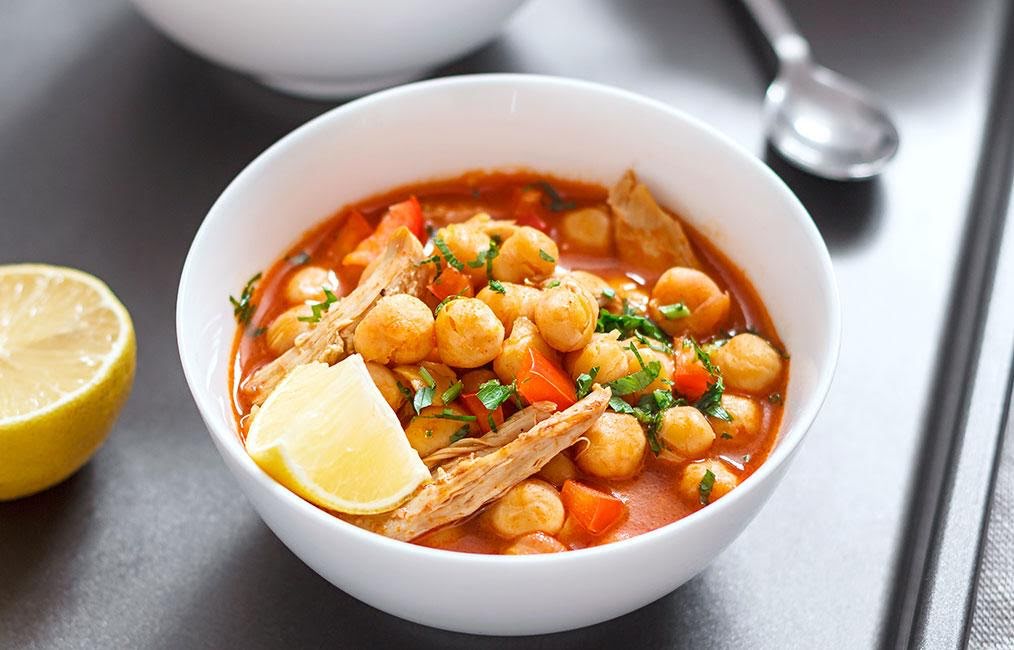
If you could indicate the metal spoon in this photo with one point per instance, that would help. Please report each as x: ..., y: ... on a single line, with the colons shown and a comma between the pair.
x: 817, y: 119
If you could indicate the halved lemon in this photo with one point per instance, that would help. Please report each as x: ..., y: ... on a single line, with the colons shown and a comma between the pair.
x: 327, y: 434
x: 67, y: 357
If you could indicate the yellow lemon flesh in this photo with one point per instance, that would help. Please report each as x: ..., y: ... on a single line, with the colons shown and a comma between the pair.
x: 327, y: 434
x: 67, y: 356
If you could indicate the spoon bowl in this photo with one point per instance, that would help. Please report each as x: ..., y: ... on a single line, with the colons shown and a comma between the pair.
x: 827, y: 124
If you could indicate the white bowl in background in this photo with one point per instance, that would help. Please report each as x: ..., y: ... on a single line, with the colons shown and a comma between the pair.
x: 572, y: 129
x: 330, y: 48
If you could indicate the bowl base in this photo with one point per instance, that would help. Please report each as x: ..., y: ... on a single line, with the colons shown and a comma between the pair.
x: 311, y: 88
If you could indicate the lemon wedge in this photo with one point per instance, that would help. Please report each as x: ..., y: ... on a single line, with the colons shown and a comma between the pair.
x: 327, y: 434
x: 67, y: 356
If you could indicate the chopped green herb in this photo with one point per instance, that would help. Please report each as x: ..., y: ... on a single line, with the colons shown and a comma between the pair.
x: 491, y: 421
x: 746, y: 459
x: 702, y: 356
x: 584, y: 382
x: 704, y: 487
x: 492, y: 393
x: 497, y: 286
x: 258, y: 331
x: 546, y: 257
x: 556, y: 202
x: 486, y: 257
x: 448, y: 255
x: 448, y: 414
x: 319, y: 308
x: 617, y: 404
x: 636, y: 381
x: 674, y: 311
x: 299, y: 259
x: 242, y: 308
x: 726, y: 436
x: 429, y: 433
x: 404, y: 390
x: 711, y: 401
x: 552, y: 284
x: 609, y: 293
x: 437, y: 261
x: 630, y: 322
x: 427, y: 377
x: 460, y: 433
x: 451, y: 393
x: 423, y: 398
x: 775, y: 398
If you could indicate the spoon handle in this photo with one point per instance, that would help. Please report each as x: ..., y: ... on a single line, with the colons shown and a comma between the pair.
x: 778, y: 28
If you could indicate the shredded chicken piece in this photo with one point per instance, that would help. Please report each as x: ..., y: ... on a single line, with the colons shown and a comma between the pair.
x: 518, y: 423
x: 394, y: 271
x: 469, y: 484
x: 645, y: 234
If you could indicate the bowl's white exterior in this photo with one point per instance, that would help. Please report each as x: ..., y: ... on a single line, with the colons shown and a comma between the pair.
x: 573, y: 129
x: 330, y: 48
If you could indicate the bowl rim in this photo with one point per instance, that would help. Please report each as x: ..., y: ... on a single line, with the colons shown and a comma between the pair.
x: 786, y: 444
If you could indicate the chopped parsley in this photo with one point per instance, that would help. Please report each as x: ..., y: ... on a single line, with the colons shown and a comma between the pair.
x: 299, y: 259
x: 726, y: 435
x: 638, y: 380
x: 546, y: 257
x: 710, y: 402
x: 552, y: 284
x: 497, y: 286
x: 427, y: 377
x: 448, y: 414
x: 491, y: 421
x: 460, y: 433
x: 629, y: 322
x: 403, y: 389
x: 609, y: 293
x: 257, y: 331
x: 319, y: 308
x: 584, y: 382
x: 242, y: 308
x: 492, y: 393
x: 443, y: 303
x: 649, y: 411
x: 448, y: 255
x: 705, y: 486
x: 674, y: 311
x: 435, y: 260
x: 429, y: 433
x: 556, y: 202
x: 451, y: 393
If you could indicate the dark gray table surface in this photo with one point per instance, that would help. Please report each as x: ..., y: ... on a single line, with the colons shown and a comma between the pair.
x: 114, y: 143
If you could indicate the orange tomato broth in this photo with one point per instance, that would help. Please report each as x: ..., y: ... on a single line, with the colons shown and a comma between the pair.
x: 652, y: 497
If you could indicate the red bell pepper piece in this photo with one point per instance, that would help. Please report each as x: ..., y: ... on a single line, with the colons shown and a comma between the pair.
x: 478, y: 409
x: 407, y: 213
x: 451, y: 282
x: 595, y: 510
x: 539, y: 379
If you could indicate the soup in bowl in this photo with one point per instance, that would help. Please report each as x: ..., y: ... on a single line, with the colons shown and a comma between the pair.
x: 462, y: 344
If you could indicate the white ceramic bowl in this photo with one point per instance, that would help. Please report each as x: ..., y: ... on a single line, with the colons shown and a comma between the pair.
x: 572, y: 129
x: 330, y: 48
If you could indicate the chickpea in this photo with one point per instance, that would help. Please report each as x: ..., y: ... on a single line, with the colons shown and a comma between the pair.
x: 514, y: 352
x: 399, y: 329
x: 566, y: 316
x: 427, y: 433
x: 468, y: 333
x: 466, y: 241
x: 535, y: 543
x: 615, y: 448
x: 747, y: 418
x: 605, y: 352
x: 558, y: 469
x: 471, y: 380
x: 693, y: 474
x: 494, y: 228
x: 587, y: 231
x: 528, y: 507
x: 387, y: 383
x: 523, y: 256
x: 748, y: 363
x: 685, y: 432
x: 667, y: 368
x: 593, y: 284
x: 283, y: 330
x: 308, y: 284
x: 708, y: 304
x: 516, y: 301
